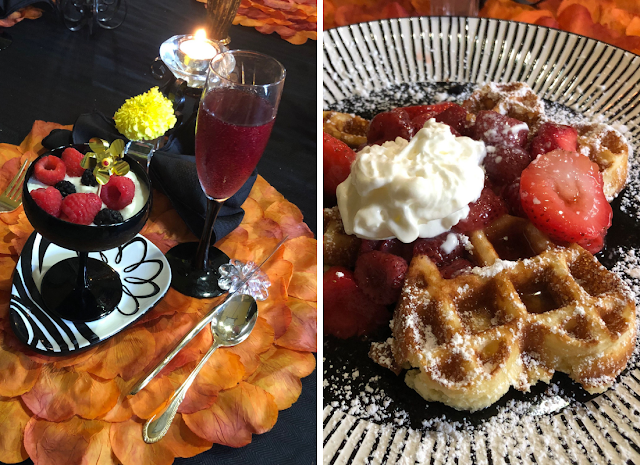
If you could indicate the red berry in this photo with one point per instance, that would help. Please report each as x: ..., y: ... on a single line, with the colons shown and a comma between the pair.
x: 429, y: 110
x: 118, y: 192
x: 337, y: 158
x: 388, y: 125
x: 397, y: 247
x: 80, y: 208
x: 453, y: 269
x: 432, y: 247
x: 553, y: 136
x: 496, y: 129
x: 482, y: 212
x: 347, y: 310
x: 49, y: 170
x: 455, y: 117
x: 48, y: 199
x: 380, y: 276
x: 561, y: 193
x: 504, y: 164
x: 72, y: 158
x: 511, y: 195
x: 367, y: 246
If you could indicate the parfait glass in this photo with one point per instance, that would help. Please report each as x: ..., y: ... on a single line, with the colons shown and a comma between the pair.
x: 236, y: 114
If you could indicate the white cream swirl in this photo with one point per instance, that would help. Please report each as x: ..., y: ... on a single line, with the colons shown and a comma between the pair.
x: 411, y: 189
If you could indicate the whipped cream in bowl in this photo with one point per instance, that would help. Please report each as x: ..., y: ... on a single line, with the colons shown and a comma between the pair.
x: 411, y: 189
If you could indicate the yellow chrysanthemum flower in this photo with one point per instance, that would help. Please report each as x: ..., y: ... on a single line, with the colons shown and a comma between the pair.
x: 146, y: 116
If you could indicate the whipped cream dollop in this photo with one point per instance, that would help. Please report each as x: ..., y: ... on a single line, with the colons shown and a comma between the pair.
x: 410, y: 189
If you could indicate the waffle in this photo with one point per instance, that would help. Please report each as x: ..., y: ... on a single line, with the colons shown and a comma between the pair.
x: 350, y: 129
x: 340, y: 249
x: 530, y: 308
x: 605, y: 146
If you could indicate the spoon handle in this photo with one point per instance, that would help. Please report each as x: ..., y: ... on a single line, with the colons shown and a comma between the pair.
x: 157, y: 426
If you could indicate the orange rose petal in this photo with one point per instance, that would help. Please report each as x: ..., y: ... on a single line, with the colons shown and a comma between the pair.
x: 252, y: 211
x: 633, y: 29
x: 234, y: 244
x: 122, y: 411
x: 238, y: 413
x: 279, y: 273
x: 39, y: 131
x: 59, y: 395
x: 302, y: 333
x: 7, y: 265
x: 222, y: 371
x: 289, y: 217
x: 304, y: 286
x: 280, y: 372
x: 5, y: 297
x: 503, y: 9
x: 70, y: 360
x: 302, y: 252
x: 259, y: 341
x: 145, y: 403
x: 125, y: 354
x: 13, y: 419
x: 21, y: 232
x: 264, y: 228
x: 74, y: 441
x: 182, y: 441
x: 18, y: 373
x: 278, y: 315
x: 7, y: 152
x: 532, y: 17
x: 575, y: 18
x: 264, y: 193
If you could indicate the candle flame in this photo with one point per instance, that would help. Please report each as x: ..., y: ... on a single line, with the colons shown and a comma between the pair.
x: 201, y: 34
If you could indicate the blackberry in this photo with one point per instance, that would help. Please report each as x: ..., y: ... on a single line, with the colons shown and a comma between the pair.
x: 106, y: 216
x: 65, y: 188
x: 88, y: 179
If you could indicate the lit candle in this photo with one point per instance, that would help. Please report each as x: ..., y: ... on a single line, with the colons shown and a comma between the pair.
x: 198, y: 48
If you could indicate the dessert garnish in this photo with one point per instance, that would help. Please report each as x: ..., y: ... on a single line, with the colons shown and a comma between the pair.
x: 146, y: 116
x: 105, y: 159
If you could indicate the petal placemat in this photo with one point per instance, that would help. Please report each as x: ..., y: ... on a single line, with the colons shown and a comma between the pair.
x: 75, y: 409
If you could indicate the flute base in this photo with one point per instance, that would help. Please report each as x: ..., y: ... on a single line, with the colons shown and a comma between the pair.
x: 187, y: 279
x: 99, y: 298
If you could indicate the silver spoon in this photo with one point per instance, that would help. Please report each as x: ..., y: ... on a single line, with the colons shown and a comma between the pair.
x: 231, y: 324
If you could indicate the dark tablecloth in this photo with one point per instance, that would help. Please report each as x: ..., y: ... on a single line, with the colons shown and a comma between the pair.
x: 52, y: 74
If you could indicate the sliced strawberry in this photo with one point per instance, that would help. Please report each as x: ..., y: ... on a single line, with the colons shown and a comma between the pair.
x: 561, y: 193
x: 551, y: 136
x: 380, y: 275
x: 388, y: 125
x: 496, y: 129
x: 482, y: 212
x: 347, y: 310
x: 336, y: 163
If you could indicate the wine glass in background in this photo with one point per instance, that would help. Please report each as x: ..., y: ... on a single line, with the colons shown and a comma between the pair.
x: 236, y: 114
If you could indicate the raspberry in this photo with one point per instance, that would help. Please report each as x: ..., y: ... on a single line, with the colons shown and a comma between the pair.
x: 380, y: 276
x: 72, y: 158
x: 432, y: 247
x: 49, y: 170
x: 482, y: 212
x: 65, y: 188
x: 106, y: 216
x: 118, y: 192
x: 504, y: 164
x: 347, y: 310
x: 48, y: 199
x: 88, y: 179
x: 496, y: 129
x: 80, y: 208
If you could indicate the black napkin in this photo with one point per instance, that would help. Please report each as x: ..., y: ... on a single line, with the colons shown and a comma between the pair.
x: 172, y: 171
x: 9, y: 6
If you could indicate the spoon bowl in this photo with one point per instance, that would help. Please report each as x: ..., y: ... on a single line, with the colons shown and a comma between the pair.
x: 232, y: 323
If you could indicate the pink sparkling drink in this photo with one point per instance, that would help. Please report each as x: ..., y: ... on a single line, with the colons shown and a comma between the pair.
x: 233, y: 128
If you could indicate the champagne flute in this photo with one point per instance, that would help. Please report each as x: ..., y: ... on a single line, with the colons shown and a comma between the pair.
x: 236, y: 114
